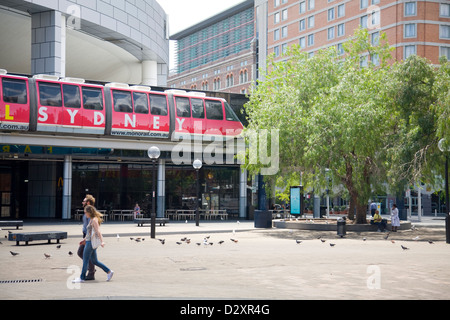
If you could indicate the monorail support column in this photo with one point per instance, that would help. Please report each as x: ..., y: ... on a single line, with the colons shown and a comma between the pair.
x: 67, y: 188
x: 48, y: 43
x: 161, y: 189
x: 243, y: 194
x: 149, y: 73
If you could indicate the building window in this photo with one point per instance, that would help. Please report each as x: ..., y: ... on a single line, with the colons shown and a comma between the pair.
x: 341, y: 10
x: 302, y: 43
x: 310, y: 40
x: 302, y: 25
x: 409, y: 50
x: 375, y: 1
x: 276, y: 35
x: 340, y: 49
x: 341, y: 29
x: 284, y: 47
x: 276, y: 18
x: 410, y: 9
x: 364, y: 4
x: 330, y: 33
x: 445, y: 51
x: 363, y: 22
x: 284, y: 15
x: 363, y: 61
x: 276, y: 50
x: 311, y: 4
x: 375, y: 38
x: 284, y: 32
x: 444, y: 10
x: 330, y: 14
x: 410, y: 30
x: 276, y: 3
x: 444, y: 32
x: 302, y: 7
x: 243, y: 76
x: 310, y: 22
x: 230, y: 80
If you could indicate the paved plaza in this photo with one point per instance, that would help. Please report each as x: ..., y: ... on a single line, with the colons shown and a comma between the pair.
x: 259, y: 264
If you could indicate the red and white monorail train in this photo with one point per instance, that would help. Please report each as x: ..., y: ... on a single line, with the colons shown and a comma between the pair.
x: 47, y: 104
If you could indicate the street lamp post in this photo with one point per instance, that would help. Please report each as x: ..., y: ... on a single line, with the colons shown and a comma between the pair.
x: 447, y: 202
x: 153, y: 154
x: 197, y: 166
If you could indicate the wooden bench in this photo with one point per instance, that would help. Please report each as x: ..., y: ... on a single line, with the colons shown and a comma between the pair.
x: 32, y: 236
x: 12, y: 223
x: 140, y: 221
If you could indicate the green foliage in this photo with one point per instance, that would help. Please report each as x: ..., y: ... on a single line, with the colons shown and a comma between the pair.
x: 367, y: 124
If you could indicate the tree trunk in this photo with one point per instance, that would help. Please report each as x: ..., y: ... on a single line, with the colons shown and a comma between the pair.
x: 355, y: 204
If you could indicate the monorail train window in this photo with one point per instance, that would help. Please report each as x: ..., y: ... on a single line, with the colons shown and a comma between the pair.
x: 140, y: 102
x: 158, y: 104
x: 50, y: 94
x: 122, y: 101
x: 183, y: 108
x: 229, y: 113
x: 214, y: 110
x: 14, y: 91
x: 92, y: 98
x: 198, y: 111
x: 72, y: 97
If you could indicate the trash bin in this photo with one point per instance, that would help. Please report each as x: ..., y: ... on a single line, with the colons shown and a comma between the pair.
x: 341, y: 228
x: 263, y: 219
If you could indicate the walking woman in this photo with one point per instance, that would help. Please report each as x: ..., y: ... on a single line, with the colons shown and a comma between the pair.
x: 90, y: 254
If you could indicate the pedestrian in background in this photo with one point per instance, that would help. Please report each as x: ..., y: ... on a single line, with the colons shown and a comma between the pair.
x: 395, y: 219
x: 88, y: 200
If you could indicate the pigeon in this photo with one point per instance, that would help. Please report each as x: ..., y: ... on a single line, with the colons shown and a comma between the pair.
x: 183, y: 239
x: 70, y: 253
x: 387, y: 236
x: 404, y: 248
x: 137, y: 240
x: 118, y: 237
x: 332, y: 244
x: 14, y: 253
x: 234, y: 240
x: 393, y: 241
x: 221, y: 241
x: 188, y: 241
x: 430, y: 242
x: 198, y: 243
x: 163, y: 241
x: 364, y: 239
x: 131, y: 239
x: 416, y: 238
x: 58, y: 246
x: 47, y: 256
x: 178, y: 243
x: 210, y: 243
x: 323, y: 240
x: 298, y: 241
x: 1, y: 242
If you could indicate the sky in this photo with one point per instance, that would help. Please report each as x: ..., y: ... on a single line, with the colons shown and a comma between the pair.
x: 186, y: 13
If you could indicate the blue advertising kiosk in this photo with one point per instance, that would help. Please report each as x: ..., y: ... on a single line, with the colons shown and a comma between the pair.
x: 296, y: 204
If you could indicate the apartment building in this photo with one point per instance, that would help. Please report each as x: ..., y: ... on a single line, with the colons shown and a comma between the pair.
x: 412, y: 27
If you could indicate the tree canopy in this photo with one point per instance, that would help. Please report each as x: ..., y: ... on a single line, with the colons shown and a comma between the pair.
x: 367, y: 121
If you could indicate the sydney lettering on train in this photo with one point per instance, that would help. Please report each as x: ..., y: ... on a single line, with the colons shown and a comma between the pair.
x: 99, y: 118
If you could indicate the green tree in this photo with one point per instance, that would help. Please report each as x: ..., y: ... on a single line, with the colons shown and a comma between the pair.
x: 331, y: 113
